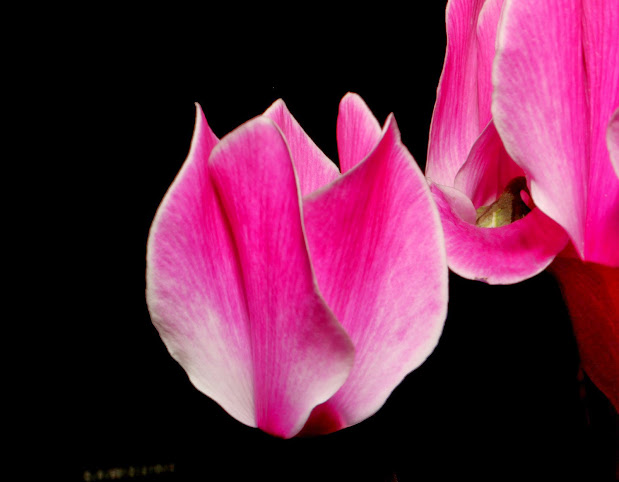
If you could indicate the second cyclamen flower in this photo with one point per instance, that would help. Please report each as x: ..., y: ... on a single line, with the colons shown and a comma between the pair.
x: 297, y: 297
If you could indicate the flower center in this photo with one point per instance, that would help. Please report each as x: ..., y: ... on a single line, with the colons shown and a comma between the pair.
x: 509, y: 207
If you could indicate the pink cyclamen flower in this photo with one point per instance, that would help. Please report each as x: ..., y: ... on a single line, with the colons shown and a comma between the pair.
x: 524, y: 140
x: 295, y: 296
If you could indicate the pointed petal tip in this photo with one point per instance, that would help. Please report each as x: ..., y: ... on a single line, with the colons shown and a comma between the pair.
x: 351, y: 95
x: 259, y: 125
x: 277, y: 105
x: 358, y: 131
x: 314, y: 169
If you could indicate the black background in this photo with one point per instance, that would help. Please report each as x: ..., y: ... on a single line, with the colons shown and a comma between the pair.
x: 499, y: 397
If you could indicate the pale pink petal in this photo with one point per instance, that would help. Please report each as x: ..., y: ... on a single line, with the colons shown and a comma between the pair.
x: 358, y: 131
x: 377, y: 247
x: 612, y: 141
x: 591, y: 292
x: 487, y: 170
x: 502, y: 255
x: 487, y: 24
x: 455, y: 121
x: 539, y: 106
x: 312, y: 166
x: 301, y: 355
x: 194, y: 286
x: 601, y: 51
x: 459, y: 204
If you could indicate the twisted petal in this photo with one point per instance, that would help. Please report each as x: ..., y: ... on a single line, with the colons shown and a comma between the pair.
x: 502, y: 255
x: 313, y: 168
x: 376, y: 244
x: 591, y: 292
x: 455, y: 121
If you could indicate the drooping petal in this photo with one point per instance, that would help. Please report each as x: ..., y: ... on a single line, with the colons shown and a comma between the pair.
x: 591, y: 292
x: 194, y: 286
x: 358, y: 131
x: 313, y: 168
x: 502, y: 255
x: 487, y: 170
x: 600, y: 25
x: 487, y: 24
x: 301, y: 355
x: 612, y: 141
x: 539, y: 105
x: 455, y: 121
x: 377, y: 247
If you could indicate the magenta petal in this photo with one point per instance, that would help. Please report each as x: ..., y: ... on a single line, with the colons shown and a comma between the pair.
x: 194, y: 287
x: 301, y: 355
x: 377, y: 248
x: 600, y: 24
x: 487, y: 24
x: 312, y: 166
x: 539, y: 105
x: 358, y: 131
x: 612, y: 141
x: 455, y: 121
x: 502, y: 255
x: 487, y: 170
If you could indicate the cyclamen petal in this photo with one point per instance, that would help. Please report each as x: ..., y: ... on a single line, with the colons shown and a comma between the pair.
x: 455, y: 121
x: 194, y: 286
x: 358, y: 131
x: 556, y: 84
x: 487, y: 24
x: 300, y: 353
x: 501, y: 255
x: 238, y: 297
x: 600, y: 24
x: 376, y: 244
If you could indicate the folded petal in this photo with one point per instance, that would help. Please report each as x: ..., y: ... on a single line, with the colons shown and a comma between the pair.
x: 301, y: 355
x: 502, y: 255
x: 600, y: 26
x: 194, y: 286
x: 312, y: 166
x: 487, y: 170
x: 377, y: 247
x: 612, y: 141
x: 455, y: 121
x: 358, y: 131
x: 591, y: 292
x: 539, y: 105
